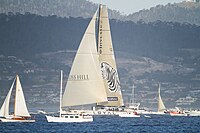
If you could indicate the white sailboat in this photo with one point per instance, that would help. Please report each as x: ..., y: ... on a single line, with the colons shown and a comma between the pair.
x: 133, y: 105
x: 136, y: 106
x: 163, y: 111
x: 108, y: 67
x: 161, y: 106
x: 21, y: 113
x: 85, y: 84
x: 132, y: 108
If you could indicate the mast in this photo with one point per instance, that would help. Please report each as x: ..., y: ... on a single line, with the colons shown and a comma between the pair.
x: 61, y: 78
x: 98, y: 26
x: 133, y: 94
x: 159, y: 97
x: 17, y: 78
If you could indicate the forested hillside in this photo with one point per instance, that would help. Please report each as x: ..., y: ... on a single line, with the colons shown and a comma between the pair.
x: 31, y: 34
x: 37, y: 47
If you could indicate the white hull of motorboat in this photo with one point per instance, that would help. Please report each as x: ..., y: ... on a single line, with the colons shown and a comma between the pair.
x: 143, y: 112
x: 126, y: 114
x: 70, y: 118
x: 158, y: 113
x: 194, y: 113
x: 174, y: 114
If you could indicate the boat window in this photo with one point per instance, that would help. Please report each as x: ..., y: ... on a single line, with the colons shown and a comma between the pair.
x: 66, y: 116
x: 71, y: 116
x: 76, y: 116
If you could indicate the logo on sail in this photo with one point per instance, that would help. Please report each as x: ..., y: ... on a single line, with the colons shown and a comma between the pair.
x: 112, y: 98
x: 100, y: 38
x: 111, y: 76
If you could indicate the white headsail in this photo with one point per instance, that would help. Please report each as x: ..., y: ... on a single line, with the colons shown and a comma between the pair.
x: 107, y: 60
x: 5, y: 107
x: 85, y: 84
x: 161, y: 106
x: 20, y: 108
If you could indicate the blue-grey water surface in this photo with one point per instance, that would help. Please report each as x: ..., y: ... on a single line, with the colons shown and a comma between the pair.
x: 165, y: 124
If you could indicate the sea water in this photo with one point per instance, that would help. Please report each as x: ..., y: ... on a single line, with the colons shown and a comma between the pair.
x: 166, y: 124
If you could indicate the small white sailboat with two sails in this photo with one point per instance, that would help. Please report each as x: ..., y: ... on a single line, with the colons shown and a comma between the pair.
x: 20, y: 113
x: 85, y: 85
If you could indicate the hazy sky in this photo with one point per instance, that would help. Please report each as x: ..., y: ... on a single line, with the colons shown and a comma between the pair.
x: 130, y: 6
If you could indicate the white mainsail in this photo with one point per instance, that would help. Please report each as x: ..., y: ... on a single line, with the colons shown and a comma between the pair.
x: 161, y: 106
x: 85, y: 84
x: 5, y: 107
x: 107, y: 60
x: 20, y: 108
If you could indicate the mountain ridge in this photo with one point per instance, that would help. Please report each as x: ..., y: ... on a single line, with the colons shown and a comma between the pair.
x: 184, y: 12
